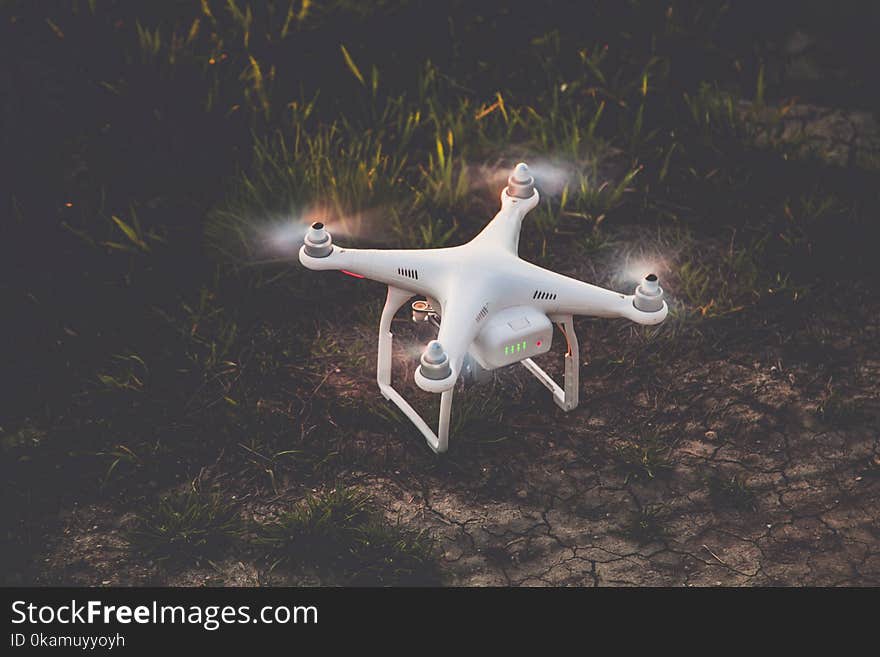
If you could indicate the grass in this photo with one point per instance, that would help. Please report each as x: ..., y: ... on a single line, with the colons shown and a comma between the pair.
x: 264, y: 461
x: 841, y: 411
x: 351, y: 350
x: 731, y: 492
x: 585, y: 200
x: 714, y: 113
x: 647, y: 525
x: 647, y: 458
x: 593, y: 242
x: 183, y: 527
x: 476, y: 414
x: 726, y: 280
x: 340, y: 535
x: 428, y: 234
x: 479, y: 416
x: 334, y: 173
x: 445, y: 183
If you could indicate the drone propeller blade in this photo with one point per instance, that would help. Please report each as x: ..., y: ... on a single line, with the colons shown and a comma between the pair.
x: 284, y: 236
x: 551, y: 176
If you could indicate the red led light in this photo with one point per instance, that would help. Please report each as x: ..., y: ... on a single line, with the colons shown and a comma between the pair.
x: 538, y: 343
x: 351, y: 273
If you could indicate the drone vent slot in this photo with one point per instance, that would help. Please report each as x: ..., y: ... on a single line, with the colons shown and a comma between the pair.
x: 483, y: 312
x: 409, y: 273
x: 544, y: 296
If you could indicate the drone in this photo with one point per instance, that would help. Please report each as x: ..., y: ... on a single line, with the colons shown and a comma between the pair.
x: 491, y: 308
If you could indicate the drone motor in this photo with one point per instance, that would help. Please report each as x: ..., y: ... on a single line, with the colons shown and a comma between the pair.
x: 435, y: 362
x: 421, y: 311
x: 649, y: 295
x: 318, y: 243
x: 521, y: 184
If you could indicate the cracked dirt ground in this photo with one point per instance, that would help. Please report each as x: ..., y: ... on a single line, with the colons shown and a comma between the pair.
x: 556, y: 499
x: 746, y: 453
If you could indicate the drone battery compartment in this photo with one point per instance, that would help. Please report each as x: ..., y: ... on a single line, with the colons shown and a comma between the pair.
x: 512, y: 335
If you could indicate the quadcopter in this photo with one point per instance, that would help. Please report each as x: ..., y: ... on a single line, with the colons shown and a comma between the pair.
x: 491, y: 308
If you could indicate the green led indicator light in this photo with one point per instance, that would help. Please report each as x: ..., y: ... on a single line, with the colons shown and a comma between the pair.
x: 516, y: 348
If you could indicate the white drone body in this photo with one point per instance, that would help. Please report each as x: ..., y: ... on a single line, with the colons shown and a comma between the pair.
x: 492, y: 308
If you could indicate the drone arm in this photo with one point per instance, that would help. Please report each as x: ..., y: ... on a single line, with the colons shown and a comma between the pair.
x: 411, y: 269
x: 504, y: 229
x: 597, y: 301
x: 575, y: 297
